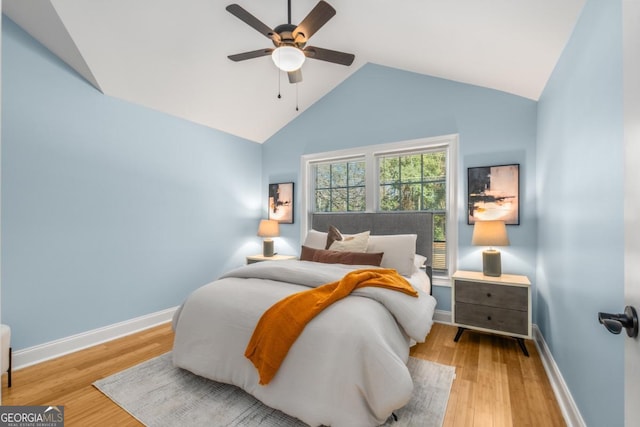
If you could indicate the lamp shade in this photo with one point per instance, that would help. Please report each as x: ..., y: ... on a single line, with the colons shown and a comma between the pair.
x: 490, y: 233
x: 269, y: 228
x: 288, y: 58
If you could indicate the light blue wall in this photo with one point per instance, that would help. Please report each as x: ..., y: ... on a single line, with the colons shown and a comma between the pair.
x: 109, y: 210
x: 580, y: 205
x: 379, y: 105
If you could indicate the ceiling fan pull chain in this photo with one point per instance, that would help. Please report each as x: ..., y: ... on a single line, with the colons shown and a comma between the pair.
x: 297, y: 97
x: 278, y: 74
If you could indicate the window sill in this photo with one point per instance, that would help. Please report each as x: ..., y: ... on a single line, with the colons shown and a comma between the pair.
x: 443, y: 281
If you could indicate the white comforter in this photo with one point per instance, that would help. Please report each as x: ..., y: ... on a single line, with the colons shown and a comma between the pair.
x: 348, y: 367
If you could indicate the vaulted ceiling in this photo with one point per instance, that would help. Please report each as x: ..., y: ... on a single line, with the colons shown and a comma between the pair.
x: 171, y: 55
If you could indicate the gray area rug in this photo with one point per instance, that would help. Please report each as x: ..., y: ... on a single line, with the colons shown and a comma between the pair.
x: 161, y: 395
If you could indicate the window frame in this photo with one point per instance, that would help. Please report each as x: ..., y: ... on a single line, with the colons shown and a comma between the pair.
x: 371, y: 154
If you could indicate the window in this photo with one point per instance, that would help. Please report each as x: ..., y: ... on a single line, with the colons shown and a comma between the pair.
x: 404, y: 176
x: 340, y: 186
x: 418, y: 182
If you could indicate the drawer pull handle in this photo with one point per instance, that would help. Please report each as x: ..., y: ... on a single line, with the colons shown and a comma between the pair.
x: 488, y: 317
x: 488, y: 294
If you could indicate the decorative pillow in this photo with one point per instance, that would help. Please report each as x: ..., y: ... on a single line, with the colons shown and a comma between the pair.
x: 315, y: 239
x: 399, y: 251
x: 332, y: 236
x: 352, y: 243
x: 340, y: 257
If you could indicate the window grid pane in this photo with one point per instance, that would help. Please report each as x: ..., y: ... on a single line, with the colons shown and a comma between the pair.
x: 339, y: 200
x: 323, y: 200
x: 411, y: 168
x: 338, y: 175
x: 389, y: 170
x: 356, y: 199
x: 434, y: 196
x: 356, y: 174
x: 389, y: 197
x: 323, y: 176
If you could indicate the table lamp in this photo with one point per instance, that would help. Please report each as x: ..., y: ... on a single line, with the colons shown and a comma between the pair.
x: 268, y: 228
x: 490, y: 233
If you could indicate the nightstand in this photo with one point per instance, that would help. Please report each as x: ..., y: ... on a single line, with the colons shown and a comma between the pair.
x: 258, y: 258
x: 499, y: 305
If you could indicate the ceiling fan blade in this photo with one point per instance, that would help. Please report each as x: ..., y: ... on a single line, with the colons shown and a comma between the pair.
x: 250, y: 55
x: 295, y: 76
x: 240, y: 13
x: 329, y: 55
x: 318, y: 16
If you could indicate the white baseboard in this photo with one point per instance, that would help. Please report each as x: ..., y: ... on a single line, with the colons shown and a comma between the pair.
x: 568, y: 406
x: 442, y: 316
x: 50, y: 350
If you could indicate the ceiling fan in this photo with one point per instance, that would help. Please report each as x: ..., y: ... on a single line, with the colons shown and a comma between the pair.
x: 290, y: 41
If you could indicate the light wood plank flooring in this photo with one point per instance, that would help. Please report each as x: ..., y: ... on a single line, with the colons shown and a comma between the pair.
x: 495, y: 385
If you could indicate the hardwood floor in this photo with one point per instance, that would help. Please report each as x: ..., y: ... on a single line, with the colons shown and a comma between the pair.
x: 495, y: 385
x: 67, y: 380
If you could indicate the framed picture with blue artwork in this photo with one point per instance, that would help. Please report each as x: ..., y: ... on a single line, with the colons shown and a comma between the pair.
x: 493, y: 193
x: 281, y: 202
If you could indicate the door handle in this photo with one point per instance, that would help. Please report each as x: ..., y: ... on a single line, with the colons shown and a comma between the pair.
x: 615, y: 322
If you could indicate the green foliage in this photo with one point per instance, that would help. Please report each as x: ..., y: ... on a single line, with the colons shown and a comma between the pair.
x: 340, y: 186
x: 439, y: 228
x: 413, y: 182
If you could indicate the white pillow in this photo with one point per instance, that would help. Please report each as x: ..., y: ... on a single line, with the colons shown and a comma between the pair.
x: 418, y: 262
x: 399, y: 251
x: 351, y: 243
x: 315, y: 239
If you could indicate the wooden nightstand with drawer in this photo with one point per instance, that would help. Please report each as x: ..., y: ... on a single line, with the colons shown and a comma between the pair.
x: 499, y: 305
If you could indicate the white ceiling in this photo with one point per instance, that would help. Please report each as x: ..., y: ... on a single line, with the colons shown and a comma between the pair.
x: 171, y: 55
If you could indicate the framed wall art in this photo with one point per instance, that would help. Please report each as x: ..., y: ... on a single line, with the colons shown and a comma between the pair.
x: 493, y: 193
x: 281, y: 202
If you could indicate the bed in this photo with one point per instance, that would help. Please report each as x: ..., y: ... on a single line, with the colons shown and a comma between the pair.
x: 348, y: 367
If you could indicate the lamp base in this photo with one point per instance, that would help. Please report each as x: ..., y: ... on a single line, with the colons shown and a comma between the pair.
x: 267, y: 248
x: 491, y: 264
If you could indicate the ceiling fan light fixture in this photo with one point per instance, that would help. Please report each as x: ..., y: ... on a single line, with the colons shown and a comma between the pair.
x: 288, y: 58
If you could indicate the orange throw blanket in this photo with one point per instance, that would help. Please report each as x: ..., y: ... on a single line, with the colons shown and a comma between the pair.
x: 281, y: 324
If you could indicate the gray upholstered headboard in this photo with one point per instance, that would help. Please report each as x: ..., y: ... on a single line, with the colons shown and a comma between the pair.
x: 420, y: 223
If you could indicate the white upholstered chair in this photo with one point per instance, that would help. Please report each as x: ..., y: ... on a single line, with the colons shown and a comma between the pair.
x: 5, y: 336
